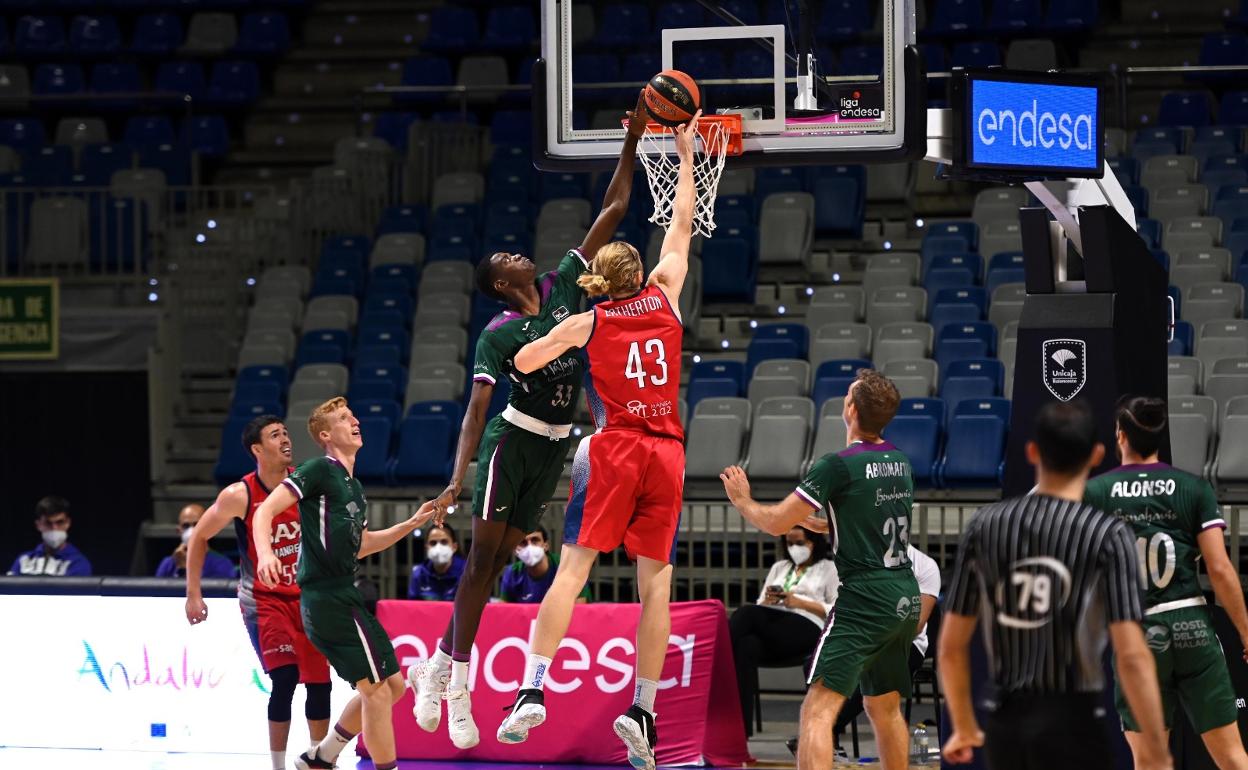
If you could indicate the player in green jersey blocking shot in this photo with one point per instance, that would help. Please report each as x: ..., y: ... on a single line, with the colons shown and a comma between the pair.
x: 520, y: 453
x: 865, y: 491
x: 1177, y: 522
x: 333, y: 515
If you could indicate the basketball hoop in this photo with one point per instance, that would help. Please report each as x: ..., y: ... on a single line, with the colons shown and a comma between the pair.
x: 721, y: 137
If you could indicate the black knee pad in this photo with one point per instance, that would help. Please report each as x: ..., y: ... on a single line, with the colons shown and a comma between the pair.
x: 316, y: 706
x: 285, y: 679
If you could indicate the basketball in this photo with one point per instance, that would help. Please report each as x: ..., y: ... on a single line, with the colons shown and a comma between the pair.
x: 672, y: 98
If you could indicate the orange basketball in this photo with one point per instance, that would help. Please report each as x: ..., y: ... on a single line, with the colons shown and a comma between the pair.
x: 672, y: 97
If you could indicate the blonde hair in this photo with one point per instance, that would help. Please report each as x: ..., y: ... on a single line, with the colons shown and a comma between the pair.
x: 319, y: 419
x: 615, y: 270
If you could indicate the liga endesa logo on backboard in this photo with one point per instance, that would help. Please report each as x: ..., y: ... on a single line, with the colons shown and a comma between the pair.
x: 1033, y: 124
x: 862, y: 102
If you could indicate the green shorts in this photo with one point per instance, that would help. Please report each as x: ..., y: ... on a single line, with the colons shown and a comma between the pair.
x: 867, y: 640
x: 517, y: 473
x: 346, y: 633
x: 1191, y: 670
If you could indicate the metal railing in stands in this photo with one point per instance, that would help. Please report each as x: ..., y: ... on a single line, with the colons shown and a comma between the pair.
x: 719, y: 555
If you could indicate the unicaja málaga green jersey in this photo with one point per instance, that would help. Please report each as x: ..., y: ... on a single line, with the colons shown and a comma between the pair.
x: 550, y: 394
x: 1167, y: 509
x: 866, y: 491
x: 332, y: 516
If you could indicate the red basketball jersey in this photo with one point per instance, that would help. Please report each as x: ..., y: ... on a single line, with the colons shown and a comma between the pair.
x: 634, y: 365
x: 285, y: 539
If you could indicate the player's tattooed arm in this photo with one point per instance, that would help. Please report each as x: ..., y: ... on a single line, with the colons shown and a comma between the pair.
x: 571, y: 332
x: 230, y: 504
x: 774, y: 519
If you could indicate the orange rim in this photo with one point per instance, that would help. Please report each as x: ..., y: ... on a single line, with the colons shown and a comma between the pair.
x: 729, y: 123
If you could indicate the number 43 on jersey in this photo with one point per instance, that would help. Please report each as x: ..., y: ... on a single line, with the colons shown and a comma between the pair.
x: 635, y: 368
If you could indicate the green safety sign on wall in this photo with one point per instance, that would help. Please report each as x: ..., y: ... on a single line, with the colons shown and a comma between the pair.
x: 29, y: 315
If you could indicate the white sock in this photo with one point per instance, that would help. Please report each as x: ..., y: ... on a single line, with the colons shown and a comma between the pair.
x: 535, y: 673
x: 312, y: 749
x: 441, y: 661
x: 459, y: 675
x: 644, y: 692
x: 332, y: 745
x: 279, y: 760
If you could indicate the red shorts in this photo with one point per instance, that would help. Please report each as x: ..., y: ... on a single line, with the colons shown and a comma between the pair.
x: 627, y: 489
x: 276, y: 631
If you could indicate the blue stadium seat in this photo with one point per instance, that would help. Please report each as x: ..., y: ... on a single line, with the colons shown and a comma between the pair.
x: 394, y: 302
x: 257, y: 392
x: 49, y: 166
x: 402, y: 219
x: 207, y: 135
x: 677, y: 14
x: 776, y: 340
x: 1184, y: 340
x: 1185, y: 108
x: 946, y: 271
x: 974, y: 449
x: 839, y: 204
x: 452, y: 29
x: 843, y: 20
x: 561, y: 185
x: 975, y: 54
x: 372, y: 462
x: 934, y: 407
x: 263, y: 34
x: 1138, y: 196
x: 58, y: 79
x: 1067, y: 16
x: 957, y: 305
x: 391, y: 372
x: 955, y: 17
x: 959, y: 341
x: 918, y: 437
x: 1234, y: 108
x: 251, y: 411
x: 511, y: 127
x: 323, y: 346
x: 453, y: 248
x: 735, y: 270
x: 862, y: 60
x: 115, y: 78
x: 833, y: 378
x: 640, y: 67
x: 708, y: 64
x: 181, y: 77
x: 624, y: 24
x: 508, y: 28
x: 234, y: 83
x: 393, y: 127
x: 125, y: 223
x: 350, y: 248
x: 1222, y: 50
x: 99, y: 162
x: 989, y: 369
x: 39, y: 36
x: 264, y: 373
x: 94, y: 36
x: 744, y: 10
x: 1126, y: 169
x: 719, y: 370
x: 386, y: 408
x: 1014, y: 16
x: 233, y: 461
x: 22, y: 134
x: 1165, y: 139
x: 1150, y: 231
x: 173, y: 159
x: 371, y: 390
x: 427, y: 71
x: 426, y: 442
x: 711, y: 387
x: 512, y: 243
x: 157, y: 34
x: 328, y: 285
x: 398, y: 278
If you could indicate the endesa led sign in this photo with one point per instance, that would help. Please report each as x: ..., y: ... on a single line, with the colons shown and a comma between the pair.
x: 1034, y: 124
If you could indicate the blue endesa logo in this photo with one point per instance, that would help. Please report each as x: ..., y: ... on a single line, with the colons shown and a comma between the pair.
x: 1033, y: 125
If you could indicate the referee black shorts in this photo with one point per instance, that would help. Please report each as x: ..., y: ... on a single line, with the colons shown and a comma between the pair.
x: 1046, y: 732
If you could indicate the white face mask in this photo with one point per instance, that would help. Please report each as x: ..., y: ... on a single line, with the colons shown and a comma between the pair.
x: 799, y: 554
x: 55, y: 538
x: 440, y: 554
x: 186, y: 534
x: 531, y: 555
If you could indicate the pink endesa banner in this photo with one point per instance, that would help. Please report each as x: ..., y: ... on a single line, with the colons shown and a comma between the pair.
x: 589, y: 684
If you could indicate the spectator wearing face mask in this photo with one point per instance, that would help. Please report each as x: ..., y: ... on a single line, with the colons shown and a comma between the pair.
x: 436, y: 578
x: 54, y: 557
x: 528, y: 580
x: 783, y: 626
x: 174, y: 565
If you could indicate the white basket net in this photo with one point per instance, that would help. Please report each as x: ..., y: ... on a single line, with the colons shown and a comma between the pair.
x: 663, y: 172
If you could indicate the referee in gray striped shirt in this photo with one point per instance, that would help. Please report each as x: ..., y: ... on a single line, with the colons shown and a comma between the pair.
x: 1047, y: 574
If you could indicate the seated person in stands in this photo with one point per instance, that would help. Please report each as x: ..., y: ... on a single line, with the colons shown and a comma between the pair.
x: 527, y: 580
x: 783, y: 627
x: 436, y: 578
x: 54, y: 557
x: 174, y: 565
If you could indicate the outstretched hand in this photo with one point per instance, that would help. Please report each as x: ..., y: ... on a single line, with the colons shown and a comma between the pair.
x: 736, y: 484
x: 638, y: 116
x: 686, y: 134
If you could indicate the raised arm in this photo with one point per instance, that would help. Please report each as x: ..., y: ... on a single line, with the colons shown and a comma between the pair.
x: 230, y: 504
x: 669, y: 274
x: 615, y: 202
x: 373, y: 542
x: 470, y: 431
x: 571, y: 332
x: 773, y: 519
x: 1225, y: 579
x: 268, y: 568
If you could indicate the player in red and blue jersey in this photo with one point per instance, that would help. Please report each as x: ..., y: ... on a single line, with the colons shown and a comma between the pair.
x: 271, y: 613
x: 628, y: 477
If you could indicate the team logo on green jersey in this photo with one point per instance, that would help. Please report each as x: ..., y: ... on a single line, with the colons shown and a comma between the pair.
x: 560, y: 313
x: 903, y: 607
x: 1157, y: 638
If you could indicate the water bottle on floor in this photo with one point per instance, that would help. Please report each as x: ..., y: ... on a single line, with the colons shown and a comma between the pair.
x: 920, y: 744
